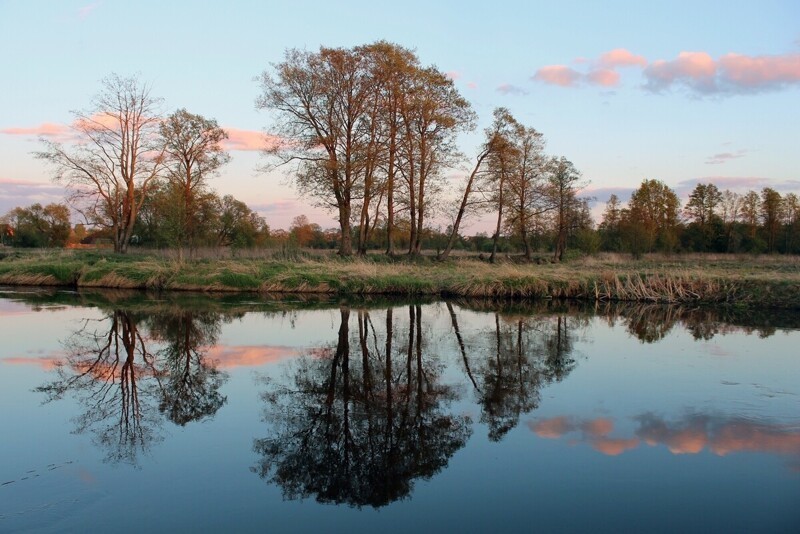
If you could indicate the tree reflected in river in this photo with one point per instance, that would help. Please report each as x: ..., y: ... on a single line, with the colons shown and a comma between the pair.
x: 129, y: 369
x: 359, y: 421
x: 524, y: 353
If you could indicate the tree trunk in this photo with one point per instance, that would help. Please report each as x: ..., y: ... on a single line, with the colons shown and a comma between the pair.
x: 462, y: 208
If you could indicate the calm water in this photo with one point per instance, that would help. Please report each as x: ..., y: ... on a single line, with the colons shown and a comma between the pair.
x: 132, y: 413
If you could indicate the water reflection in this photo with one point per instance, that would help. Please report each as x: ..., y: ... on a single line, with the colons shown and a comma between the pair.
x: 358, y: 421
x: 522, y: 354
x: 130, y: 370
x: 690, y: 434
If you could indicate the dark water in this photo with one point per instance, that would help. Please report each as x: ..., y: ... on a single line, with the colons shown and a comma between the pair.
x: 132, y: 413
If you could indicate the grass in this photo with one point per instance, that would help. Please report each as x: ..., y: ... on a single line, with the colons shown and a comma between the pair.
x: 752, y: 281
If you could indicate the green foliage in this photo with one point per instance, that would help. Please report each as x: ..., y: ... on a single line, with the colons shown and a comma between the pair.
x: 37, y: 226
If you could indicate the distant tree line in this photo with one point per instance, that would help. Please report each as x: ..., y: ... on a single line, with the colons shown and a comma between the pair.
x: 711, y: 221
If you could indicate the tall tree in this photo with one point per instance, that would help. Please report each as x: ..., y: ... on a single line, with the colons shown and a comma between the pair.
x: 701, y: 209
x: 497, y: 142
x: 771, y: 207
x: 193, y: 153
x: 320, y: 99
x: 434, y: 115
x: 563, y: 186
x: 115, y: 158
x: 653, y: 212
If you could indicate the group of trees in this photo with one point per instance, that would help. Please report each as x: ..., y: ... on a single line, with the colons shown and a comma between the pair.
x: 369, y: 132
x: 135, y: 175
x: 36, y: 226
x: 711, y: 221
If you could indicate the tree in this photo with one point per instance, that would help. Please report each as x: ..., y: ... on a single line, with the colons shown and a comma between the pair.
x: 610, y: 225
x: 563, y: 185
x: 653, y: 213
x: 771, y: 206
x: 37, y: 226
x: 701, y: 209
x: 731, y: 212
x: 115, y: 158
x: 497, y: 141
x: 193, y: 152
x: 434, y: 114
x: 320, y: 99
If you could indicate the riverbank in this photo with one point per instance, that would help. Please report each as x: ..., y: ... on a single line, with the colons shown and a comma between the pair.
x: 764, y: 281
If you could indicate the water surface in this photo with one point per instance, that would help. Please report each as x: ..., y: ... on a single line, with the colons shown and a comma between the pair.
x: 131, y: 412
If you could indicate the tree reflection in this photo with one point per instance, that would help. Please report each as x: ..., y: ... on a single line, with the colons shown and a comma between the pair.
x: 525, y: 353
x: 191, y: 391
x: 361, y: 421
x: 124, y: 379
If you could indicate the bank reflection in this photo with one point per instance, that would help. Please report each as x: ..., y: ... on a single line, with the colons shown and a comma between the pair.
x: 130, y: 370
x: 360, y: 420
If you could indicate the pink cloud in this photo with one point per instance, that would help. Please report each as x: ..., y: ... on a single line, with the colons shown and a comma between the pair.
x: 228, y: 357
x: 453, y: 75
x: 613, y: 446
x: 46, y: 129
x: 598, y: 427
x: 249, y: 140
x: 694, y: 69
x: 552, y: 428
x: 732, y: 73
x: 760, y: 71
x: 603, y: 77
x: 560, y: 75
x: 472, y: 85
x: 45, y: 363
x: 620, y: 57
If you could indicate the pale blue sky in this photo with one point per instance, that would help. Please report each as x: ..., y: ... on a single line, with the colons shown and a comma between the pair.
x: 663, y: 121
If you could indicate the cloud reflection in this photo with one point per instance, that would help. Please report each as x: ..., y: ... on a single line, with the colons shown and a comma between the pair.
x: 691, y: 434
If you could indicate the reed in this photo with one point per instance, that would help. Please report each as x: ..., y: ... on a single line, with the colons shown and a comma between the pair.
x: 747, y: 280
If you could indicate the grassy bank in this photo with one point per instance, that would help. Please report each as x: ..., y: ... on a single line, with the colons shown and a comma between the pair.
x: 765, y: 281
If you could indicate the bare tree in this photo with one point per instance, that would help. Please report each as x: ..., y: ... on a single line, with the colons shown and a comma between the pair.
x: 114, y: 158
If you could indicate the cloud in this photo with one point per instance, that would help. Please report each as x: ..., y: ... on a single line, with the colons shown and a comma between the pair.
x: 697, y: 70
x: 228, y: 357
x: 16, y: 193
x: 738, y: 183
x: 51, y: 130
x: 86, y: 10
x: 620, y: 57
x: 508, y: 89
x: 247, y: 140
x: 723, y: 157
x: 552, y: 428
x: 603, y: 77
x: 601, y: 72
x: 692, y: 434
x: 614, y: 447
x: 472, y: 85
x: 559, y: 75
x: 453, y: 75
x: 46, y: 364
x: 730, y: 74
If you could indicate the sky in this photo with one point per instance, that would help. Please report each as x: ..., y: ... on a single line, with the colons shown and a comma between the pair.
x: 682, y: 92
